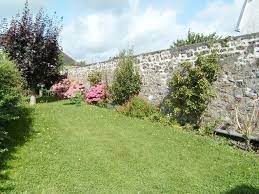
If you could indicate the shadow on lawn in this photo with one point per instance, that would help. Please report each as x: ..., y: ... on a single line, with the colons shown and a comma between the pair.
x: 243, y: 189
x: 18, y: 133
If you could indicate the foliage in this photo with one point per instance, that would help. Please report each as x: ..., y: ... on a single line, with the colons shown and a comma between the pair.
x: 61, y: 62
x: 32, y: 42
x: 164, y: 119
x: 247, y: 124
x: 208, y: 128
x: 77, y: 99
x: 193, y: 38
x: 138, y: 107
x: 94, y: 78
x: 10, y: 90
x: 66, y: 89
x: 10, y: 94
x: 191, y: 89
x: 97, y: 93
x: 127, y: 81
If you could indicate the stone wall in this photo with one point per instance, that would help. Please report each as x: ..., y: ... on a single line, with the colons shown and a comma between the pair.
x: 239, y: 79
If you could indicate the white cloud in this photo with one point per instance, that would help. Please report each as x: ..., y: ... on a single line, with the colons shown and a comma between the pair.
x: 219, y: 17
x: 92, y: 36
x: 101, y: 35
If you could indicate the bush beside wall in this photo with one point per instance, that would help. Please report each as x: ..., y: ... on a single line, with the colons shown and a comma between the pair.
x: 192, y: 88
x: 138, y: 107
x: 127, y: 81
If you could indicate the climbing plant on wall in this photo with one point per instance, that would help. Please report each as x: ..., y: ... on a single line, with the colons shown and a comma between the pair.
x: 193, y: 38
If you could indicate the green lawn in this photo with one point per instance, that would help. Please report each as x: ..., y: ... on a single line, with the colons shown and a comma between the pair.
x: 86, y: 149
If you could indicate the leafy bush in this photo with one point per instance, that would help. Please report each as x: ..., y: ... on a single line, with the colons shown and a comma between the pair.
x: 191, y: 89
x: 77, y: 99
x: 127, y: 81
x: 10, y: 90
x: 67, y: 89
x: 94, y: 78
x: 165, y: 120
x: 193, y: 38
x: 32, y: 42
x: 97, y: 94
x: 208, y: 128
x: 10, y: 95
x: 138, y: 107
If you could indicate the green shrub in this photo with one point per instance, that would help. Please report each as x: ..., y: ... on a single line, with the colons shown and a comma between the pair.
x: 207, y: 129
x: 193, y: 38
x: 94, y: 78
x: 77, y: 99
x: 127, y: 81
x: 163, y: 119
x: 10, y: 95
x: 10, y: 90
x: 138, y: 107
x: 192, y: 88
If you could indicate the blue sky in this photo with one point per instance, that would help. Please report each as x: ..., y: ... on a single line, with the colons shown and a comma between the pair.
x: 95, y: 30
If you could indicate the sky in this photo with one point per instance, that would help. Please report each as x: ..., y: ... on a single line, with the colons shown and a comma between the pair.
x: 95, y: 30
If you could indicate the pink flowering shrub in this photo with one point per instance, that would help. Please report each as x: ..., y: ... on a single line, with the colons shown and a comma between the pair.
x: 97, y: 93
x: 67, y: 89
x: 61, y: 87
x: 74, y: 89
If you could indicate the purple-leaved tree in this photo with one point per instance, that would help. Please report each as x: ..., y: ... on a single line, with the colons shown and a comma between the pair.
x: 32, y: 42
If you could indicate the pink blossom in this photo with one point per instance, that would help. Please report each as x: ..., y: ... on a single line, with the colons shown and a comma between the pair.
x: 97, y: 93
x: 67, y: 89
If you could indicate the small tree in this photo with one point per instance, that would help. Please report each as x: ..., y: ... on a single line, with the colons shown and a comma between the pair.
x: 191, y: 88
x: 193, y: 38
x: 127, y: 81
x: 94, y: 78
x: 33, y: 45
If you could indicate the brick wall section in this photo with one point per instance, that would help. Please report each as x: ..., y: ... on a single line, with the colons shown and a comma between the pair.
x: 239, y: 79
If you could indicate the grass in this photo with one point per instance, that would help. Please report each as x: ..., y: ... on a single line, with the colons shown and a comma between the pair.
x: 86, y: 149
